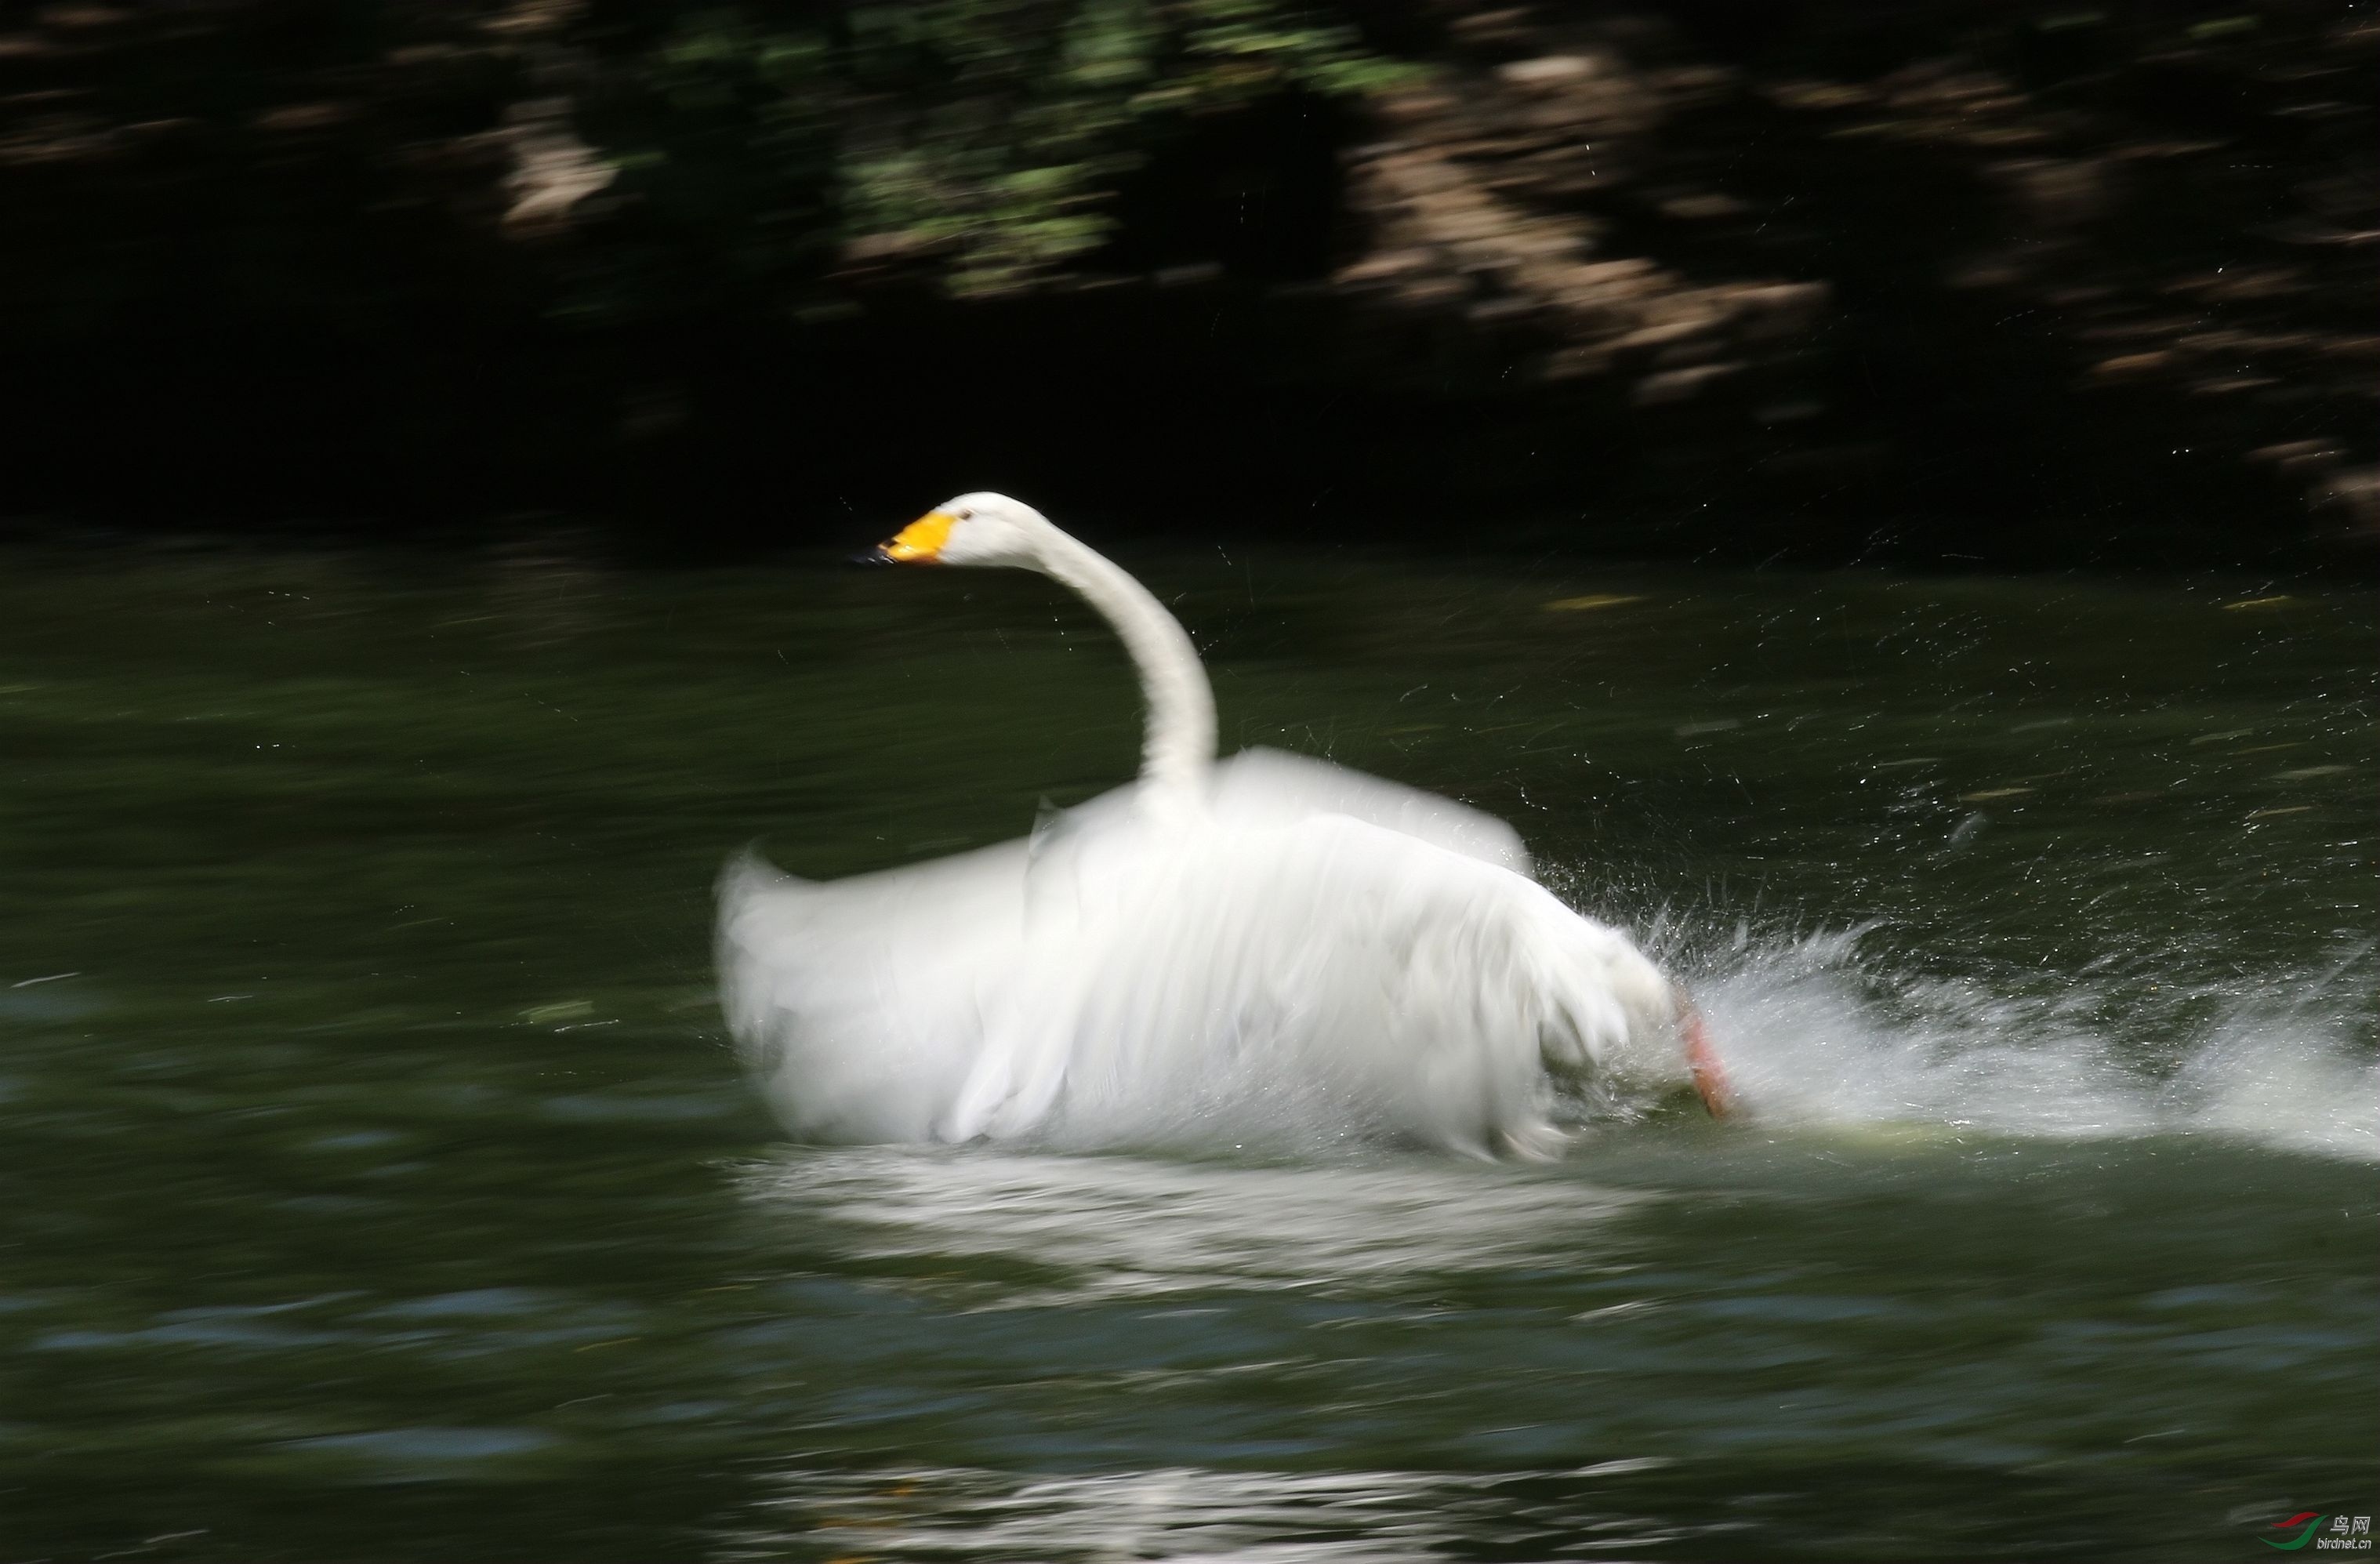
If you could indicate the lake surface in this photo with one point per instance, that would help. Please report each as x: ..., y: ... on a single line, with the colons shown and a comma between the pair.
x: 379, y: 1182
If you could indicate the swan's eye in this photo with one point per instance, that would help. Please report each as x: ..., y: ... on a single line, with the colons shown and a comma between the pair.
x: 966, y: 515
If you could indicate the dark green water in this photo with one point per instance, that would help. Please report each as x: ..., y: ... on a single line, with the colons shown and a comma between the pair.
x: 379, y: 1184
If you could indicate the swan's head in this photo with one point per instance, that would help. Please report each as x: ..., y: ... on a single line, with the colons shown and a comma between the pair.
x: 979, y: 528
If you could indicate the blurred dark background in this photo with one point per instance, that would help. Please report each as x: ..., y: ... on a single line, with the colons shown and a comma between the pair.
x: 1918, y: 280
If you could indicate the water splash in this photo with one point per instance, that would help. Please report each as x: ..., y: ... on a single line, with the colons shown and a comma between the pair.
x: 1818, y: 1034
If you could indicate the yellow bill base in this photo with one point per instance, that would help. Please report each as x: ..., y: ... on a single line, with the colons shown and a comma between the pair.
x: 921, y: 542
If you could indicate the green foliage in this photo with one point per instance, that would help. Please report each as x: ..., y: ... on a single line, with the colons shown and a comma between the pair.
x: 981, y: 139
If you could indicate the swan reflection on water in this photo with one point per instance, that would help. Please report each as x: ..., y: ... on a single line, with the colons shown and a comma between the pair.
x: 1190, y: 1259
x: 1191, y: 1512
x: 1129, y: 1227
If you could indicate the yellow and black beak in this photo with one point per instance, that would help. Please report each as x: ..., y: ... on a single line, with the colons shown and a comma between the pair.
x: 921, y: 542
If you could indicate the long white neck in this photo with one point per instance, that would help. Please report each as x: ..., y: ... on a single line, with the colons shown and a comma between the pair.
x: 1177, y: 746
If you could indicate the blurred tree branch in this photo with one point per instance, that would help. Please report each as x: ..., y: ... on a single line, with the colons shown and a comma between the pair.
x: 979, y: 142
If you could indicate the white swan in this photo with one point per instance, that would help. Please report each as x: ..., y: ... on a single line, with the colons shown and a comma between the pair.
x: 1270, y: 927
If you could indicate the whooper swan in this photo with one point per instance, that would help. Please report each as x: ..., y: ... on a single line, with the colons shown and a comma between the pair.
x: 1211, y: 945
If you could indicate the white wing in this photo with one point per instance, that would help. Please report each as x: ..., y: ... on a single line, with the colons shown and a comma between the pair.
x: 1325, y: 933
x: 854, y: 1000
